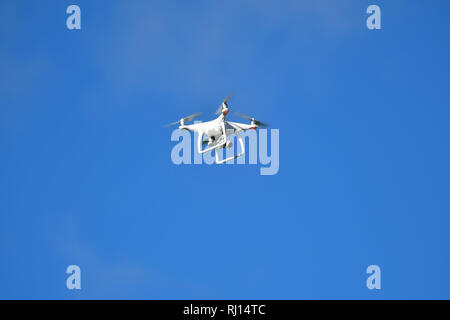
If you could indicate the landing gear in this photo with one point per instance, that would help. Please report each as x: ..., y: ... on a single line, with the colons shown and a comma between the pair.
x: 220, y: 143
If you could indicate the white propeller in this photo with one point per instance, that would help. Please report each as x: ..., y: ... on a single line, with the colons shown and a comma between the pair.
x: 225, y: 101
x: 258, y: 123
x: 188, y: 118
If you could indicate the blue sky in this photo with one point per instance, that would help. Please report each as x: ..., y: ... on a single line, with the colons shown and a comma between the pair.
x: 86, y: 176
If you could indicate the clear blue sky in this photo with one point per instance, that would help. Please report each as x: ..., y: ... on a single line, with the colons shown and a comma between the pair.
x: 86, y: 176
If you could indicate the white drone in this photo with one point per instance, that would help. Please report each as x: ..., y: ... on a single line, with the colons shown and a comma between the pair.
x: 218, y: 130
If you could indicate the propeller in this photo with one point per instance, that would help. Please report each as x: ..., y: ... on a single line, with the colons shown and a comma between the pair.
x: 258, y: 123
x: 188, y: 118
x: 225, y: 101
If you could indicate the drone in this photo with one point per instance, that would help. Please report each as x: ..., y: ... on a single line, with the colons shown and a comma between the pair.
x: 218, y: 130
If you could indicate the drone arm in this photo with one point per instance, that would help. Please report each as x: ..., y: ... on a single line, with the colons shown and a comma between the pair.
x: 224, y: 130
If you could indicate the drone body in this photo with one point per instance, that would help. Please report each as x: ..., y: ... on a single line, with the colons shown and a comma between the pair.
x: 218, y: 130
